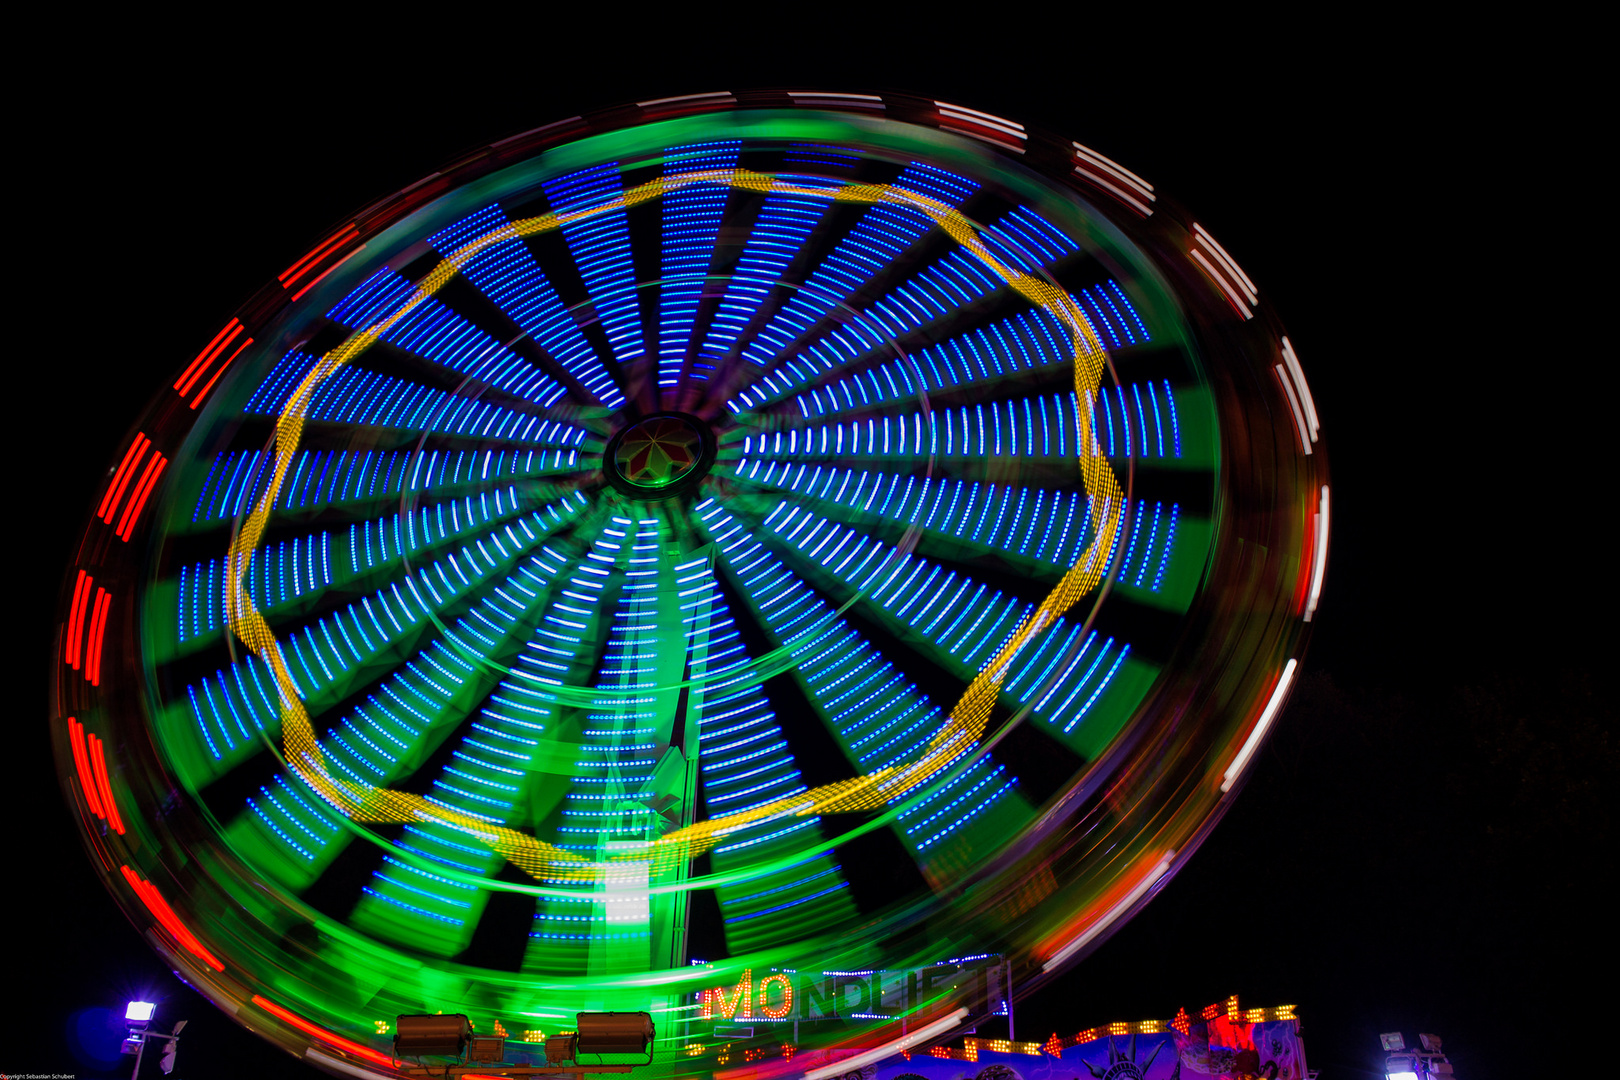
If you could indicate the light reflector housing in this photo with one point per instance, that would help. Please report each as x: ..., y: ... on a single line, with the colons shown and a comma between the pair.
x: 438, y: 1034
x: 615, y: 1032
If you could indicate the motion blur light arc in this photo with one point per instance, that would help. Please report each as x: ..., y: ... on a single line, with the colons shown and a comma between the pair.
x: 659, y: 535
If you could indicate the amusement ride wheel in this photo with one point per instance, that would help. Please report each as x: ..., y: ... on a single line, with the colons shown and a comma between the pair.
x: 686, y: 547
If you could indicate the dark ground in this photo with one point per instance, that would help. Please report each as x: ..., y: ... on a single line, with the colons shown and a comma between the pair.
x: 1422, y: 844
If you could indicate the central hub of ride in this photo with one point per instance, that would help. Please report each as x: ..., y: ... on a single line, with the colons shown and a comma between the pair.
x: 659, y: 456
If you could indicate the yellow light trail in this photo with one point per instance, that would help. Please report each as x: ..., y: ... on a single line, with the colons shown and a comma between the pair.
x: 967, y: 720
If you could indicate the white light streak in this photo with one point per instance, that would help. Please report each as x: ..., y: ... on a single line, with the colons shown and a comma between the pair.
x: 1089, y: 156
x: 905, y: 1042
x: 1226, y: 287
x: 1293, y: 405
x: 331, y: 1064
x: 1319, y: 562
x: 1253, y: 741
x: 841, y: 97
x: 1227, y: 260
x: 1298, y: 374
x: 1141, y: 207
x: 716, y: 96
x: 1112, y: 914
x: 974, y: 116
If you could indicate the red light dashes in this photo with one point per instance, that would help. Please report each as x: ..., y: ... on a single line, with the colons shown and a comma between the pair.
x: 98, y: 764
x: 322, y: 252
x: 76, y: 655
x: 81, y: 596
x: 90, y: 758
x: 120, y: 480
x: 137, y: 501
x: 127, y: 470
x: 98, y: 627
x: 81, y: 762
x: 206, y: 358
x: 171, y: 922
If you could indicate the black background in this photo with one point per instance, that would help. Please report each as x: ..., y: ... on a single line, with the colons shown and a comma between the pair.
x: 1420, y: 845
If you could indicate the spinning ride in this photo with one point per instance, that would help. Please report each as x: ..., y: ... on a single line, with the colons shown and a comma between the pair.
x: 740, y: 534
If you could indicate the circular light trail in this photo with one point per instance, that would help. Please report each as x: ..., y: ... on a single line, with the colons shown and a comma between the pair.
x: 831, y: 534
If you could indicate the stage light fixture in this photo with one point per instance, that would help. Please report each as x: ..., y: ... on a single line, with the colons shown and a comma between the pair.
x: 439, y: 1034
x: 560, y: 1048
x: 615, y: 1032
x: 487, y: 1048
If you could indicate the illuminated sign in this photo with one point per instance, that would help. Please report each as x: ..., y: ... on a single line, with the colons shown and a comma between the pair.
x: 858, y: 995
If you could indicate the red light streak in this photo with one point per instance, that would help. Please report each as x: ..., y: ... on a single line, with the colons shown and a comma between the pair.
x: 304, y: 265
x: 189, y: 377
x: 1302, y: 590
x: 98, y: 626
x: 165, y: 915
x: 321, y: 1033
x: 81, y: 761
x: 299, y: 295
x: 951, y: 120
x: 204, y: 391
x: 98, y: 763
x: 1119, y: 897
x: 126, y: 468
x: 1319, y: 561
x: 137, y: 501
x: 140, y: 486
x: 75, y: 630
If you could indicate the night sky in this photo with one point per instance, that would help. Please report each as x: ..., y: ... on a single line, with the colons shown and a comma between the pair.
x: 1420, y: 845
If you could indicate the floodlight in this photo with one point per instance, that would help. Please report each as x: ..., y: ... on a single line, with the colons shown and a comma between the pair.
x: 560, y: 1048
x: 487, y: 1048
x: 614, y: 1032
x: 437, y: 1034
x: 1393, y: 1040
x: 1401, y: 1067
x: 1431, y: 1043
x: 139, y: 1011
